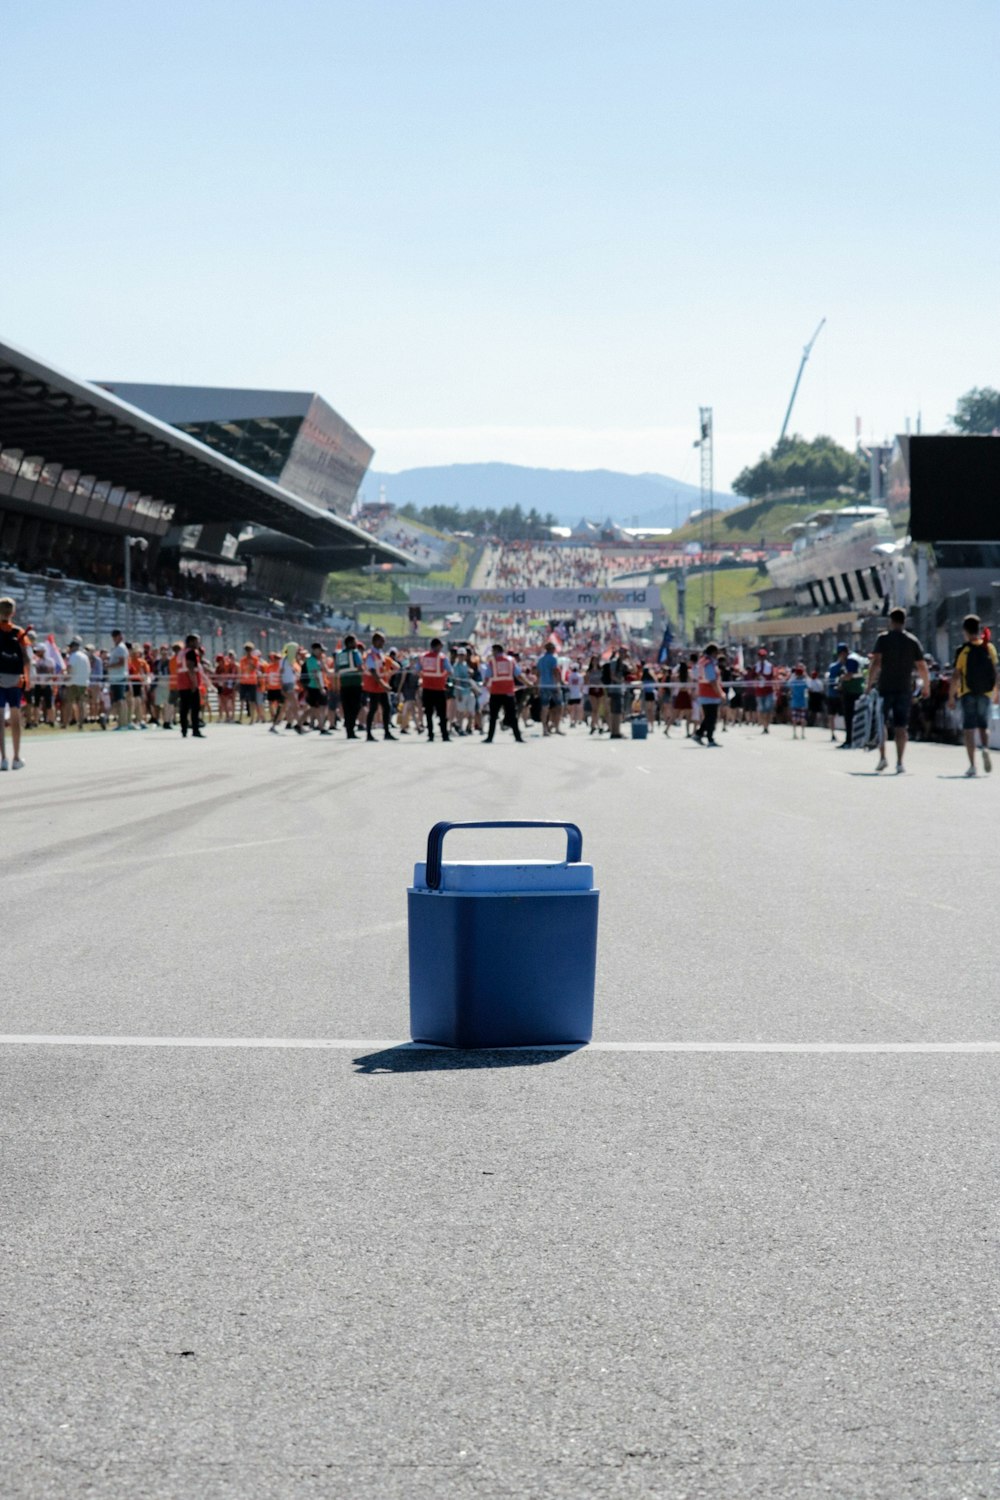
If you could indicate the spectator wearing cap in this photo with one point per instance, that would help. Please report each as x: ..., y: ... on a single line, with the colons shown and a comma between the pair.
x: 834, y: 672
x: 77, y: 687
x: 118, y: 680
x: 852, y: 685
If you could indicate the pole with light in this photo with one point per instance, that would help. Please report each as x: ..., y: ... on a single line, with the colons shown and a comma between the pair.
x: 705, y: 443
x: 142, y: 544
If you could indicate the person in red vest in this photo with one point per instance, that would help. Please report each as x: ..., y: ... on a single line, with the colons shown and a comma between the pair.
x: 503, y: 674
x: 376, y: 672
x: 434, y: 667
x: 189, y: 685
x: 711, y: 695
x: 249, y: 667
x: 272, y: 689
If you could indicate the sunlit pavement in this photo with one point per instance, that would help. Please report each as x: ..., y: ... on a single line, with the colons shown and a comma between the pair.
x: 282, y: 1267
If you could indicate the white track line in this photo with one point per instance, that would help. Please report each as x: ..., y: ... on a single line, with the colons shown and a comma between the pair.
x: 337, y: 1044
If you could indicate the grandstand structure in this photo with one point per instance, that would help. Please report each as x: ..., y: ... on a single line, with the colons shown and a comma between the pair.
x: 91, y: 483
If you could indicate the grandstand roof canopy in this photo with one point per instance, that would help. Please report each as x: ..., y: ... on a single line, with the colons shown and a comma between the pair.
x: 54, y: 417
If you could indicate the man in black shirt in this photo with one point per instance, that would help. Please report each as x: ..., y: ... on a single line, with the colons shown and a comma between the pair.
x: 896, y: 654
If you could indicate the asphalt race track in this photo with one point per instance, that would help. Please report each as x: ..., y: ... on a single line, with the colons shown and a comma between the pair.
x: 744, y: 1246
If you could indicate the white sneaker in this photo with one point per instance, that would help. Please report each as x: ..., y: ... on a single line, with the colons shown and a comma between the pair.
x: 17, y: 764
x: 971, y: 771
x: 4, y: 764
x: 882, y: 763
x: 900, y: 768
x: 987, y: 763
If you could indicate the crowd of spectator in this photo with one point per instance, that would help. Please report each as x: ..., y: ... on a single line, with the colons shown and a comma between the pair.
x: 426, y: 549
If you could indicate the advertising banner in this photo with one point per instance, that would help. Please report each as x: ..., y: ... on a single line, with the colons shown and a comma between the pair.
x: 536, y: 601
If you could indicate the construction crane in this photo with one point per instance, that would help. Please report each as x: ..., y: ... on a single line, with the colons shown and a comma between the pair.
x: 795, y: 388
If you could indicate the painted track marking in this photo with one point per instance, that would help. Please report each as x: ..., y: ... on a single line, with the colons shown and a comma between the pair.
x: 339, y: 1044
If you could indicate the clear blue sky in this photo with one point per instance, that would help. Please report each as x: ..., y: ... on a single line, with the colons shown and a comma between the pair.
x: 543, y: 231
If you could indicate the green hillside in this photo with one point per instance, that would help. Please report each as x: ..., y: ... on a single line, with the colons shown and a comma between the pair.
x: 761, y: 519
x: 733, y: 594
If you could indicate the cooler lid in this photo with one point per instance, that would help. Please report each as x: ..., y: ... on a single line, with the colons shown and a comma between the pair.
x: 497, y: 877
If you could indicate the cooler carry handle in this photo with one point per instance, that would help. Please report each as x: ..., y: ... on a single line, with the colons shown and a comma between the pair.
x: 435, y: 839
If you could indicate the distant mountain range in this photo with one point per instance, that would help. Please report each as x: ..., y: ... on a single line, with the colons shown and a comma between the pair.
x: 568, y: 494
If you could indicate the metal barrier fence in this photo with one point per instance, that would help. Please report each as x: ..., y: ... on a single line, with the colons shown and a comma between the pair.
x: 64, y: 608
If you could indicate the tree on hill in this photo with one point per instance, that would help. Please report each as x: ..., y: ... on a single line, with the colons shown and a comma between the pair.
x: 797, y: 464
x: 978, y: 411
x: 511, y: 524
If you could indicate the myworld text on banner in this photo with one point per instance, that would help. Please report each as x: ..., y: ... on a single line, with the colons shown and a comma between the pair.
x: 544, y: 601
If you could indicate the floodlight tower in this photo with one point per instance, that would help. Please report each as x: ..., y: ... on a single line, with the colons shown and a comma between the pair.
x: 706, y: 444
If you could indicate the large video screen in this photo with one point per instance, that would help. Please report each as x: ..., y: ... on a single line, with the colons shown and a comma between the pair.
x: 955, y: 489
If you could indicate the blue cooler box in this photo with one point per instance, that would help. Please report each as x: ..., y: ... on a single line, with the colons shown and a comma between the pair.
x: 502, y: 953
x: 640, y: 729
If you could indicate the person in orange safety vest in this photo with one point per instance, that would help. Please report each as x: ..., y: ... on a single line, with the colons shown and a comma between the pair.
x: 249, y: 683
x: 434, y: 667
x: 711, y: 694
x: 502, y: 673
x: 190, y: 680
x: 376, y: 671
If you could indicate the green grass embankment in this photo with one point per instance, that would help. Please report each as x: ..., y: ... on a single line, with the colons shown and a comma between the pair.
x: 732, y: 592
x: 761, y: 519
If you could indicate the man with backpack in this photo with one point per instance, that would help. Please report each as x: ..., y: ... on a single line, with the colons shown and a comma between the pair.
x: 974, y: 683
